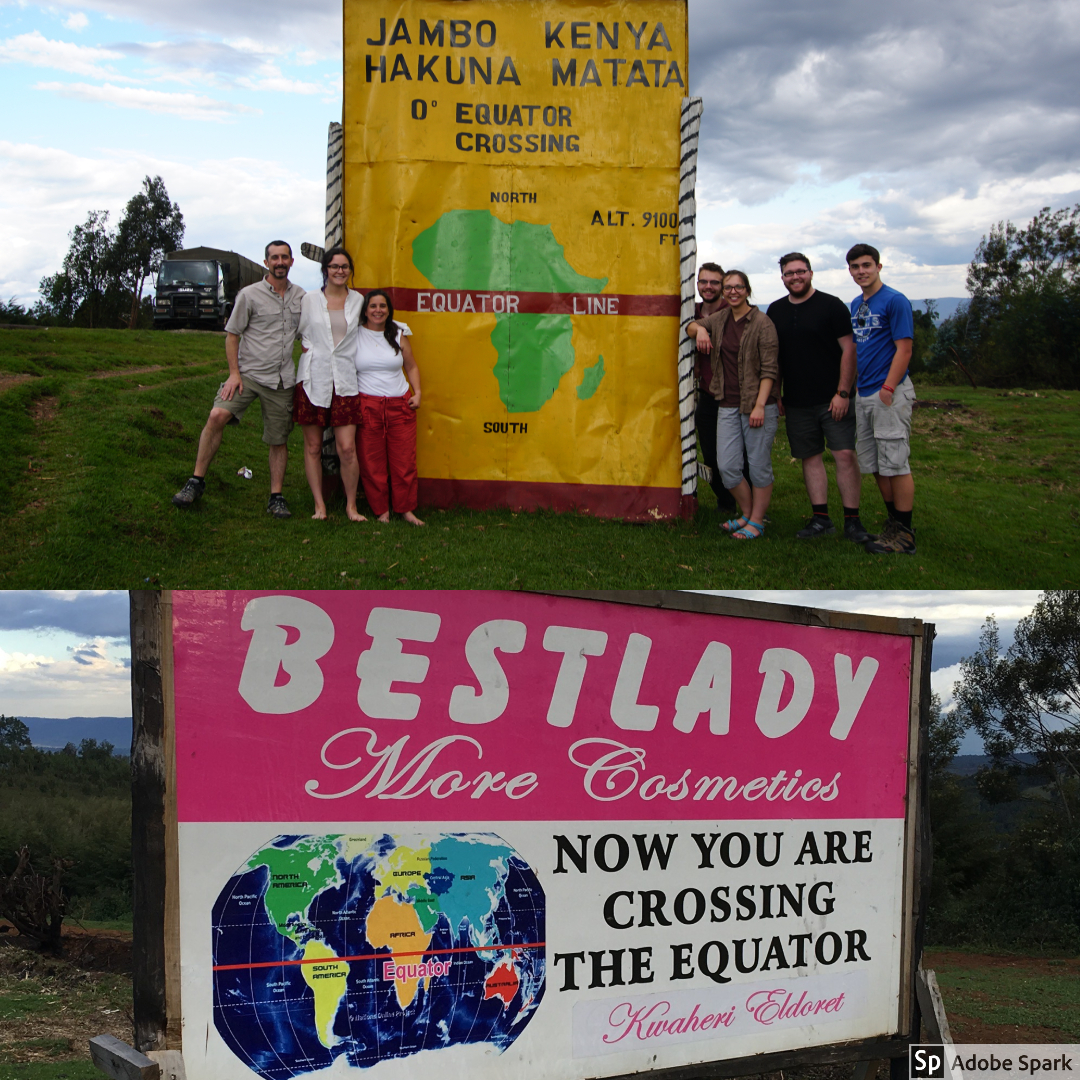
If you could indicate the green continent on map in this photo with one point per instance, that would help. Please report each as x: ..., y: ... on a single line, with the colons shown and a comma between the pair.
x: 590, y: 380
x: 535, y: 352
x: 470, y: 249
x: 298, y: 873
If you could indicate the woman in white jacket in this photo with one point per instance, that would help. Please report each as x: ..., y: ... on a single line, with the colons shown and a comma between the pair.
x: 327, y: 392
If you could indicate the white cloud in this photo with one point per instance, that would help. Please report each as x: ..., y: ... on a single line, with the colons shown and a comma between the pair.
x: 39, y: 51
x: 942, y: 682
x: 188, y: 106
x: 278, y: 84
x: 314, y: 25
x: 89, y: 679
x: 957, y: 611
x: 77, y: 21
x: 49, y: 190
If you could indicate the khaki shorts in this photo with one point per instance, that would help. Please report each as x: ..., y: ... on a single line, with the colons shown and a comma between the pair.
x: 276, y: 409
x: 884, y: 432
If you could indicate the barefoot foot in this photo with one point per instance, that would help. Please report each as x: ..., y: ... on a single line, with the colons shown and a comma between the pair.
x: 411, y: 518
x: 320, y: 514
x: 384, y: 519
x: 353, y: 514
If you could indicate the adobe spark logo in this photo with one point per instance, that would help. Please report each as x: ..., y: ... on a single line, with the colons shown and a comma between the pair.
x: 926, y: 1062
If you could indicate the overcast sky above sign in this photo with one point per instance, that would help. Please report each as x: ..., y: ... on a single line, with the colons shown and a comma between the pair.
x: 67, y: 653
x: 913, y: 126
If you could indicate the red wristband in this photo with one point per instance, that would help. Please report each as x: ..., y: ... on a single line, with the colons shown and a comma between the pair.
x: 886, y: 386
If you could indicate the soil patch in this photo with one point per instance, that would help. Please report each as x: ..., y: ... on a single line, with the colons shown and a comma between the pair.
x: 946, y: 405
x: 1051, y: 966
x: 89, y: 950
x: 8, y: 381
x: 43, y: 410
x: 52, y: 1007
x: 126, y: 371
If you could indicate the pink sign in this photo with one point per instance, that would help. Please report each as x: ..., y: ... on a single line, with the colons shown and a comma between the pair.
x: 467, y: 706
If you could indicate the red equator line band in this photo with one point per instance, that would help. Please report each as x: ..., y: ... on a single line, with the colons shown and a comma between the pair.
x: 454, y: 301
x: 382, y: 956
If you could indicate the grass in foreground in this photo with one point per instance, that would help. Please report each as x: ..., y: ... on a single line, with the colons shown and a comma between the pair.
x: 1010, y: 998
x: 105, y: 430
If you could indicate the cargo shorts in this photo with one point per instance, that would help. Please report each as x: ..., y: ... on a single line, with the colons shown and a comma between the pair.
x: 277, y: 406
x: 883, y: 432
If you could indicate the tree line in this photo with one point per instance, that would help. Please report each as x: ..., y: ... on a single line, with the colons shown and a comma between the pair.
x: 1021, y: 326
x: 104, y: 273
x: 1006, y: 866
x: 65, y: 830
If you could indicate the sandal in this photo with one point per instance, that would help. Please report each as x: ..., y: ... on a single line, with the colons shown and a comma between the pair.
x: 735, y: 524
x: 742, y: 534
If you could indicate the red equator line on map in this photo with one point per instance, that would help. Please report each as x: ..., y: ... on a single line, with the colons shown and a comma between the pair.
x: 381, y: 956
x: 455, y: 301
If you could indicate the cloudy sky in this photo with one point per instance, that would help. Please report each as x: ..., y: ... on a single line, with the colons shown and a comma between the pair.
x: 64, y: 654
x: 68, y: 653
x: 914, y: 126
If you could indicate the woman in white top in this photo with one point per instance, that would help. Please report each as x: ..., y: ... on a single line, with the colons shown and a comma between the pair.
x: 389, y: 383
x: 327, y: 392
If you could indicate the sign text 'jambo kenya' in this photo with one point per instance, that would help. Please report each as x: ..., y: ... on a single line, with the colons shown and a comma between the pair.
x: 512, y: 176
x: 542, y: 836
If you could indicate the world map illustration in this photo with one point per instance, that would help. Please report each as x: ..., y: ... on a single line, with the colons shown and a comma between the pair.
x: 371, y: 947
x: 473, y: 250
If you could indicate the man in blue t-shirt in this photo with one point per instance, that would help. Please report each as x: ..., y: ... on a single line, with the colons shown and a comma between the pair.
x: 884, y: 329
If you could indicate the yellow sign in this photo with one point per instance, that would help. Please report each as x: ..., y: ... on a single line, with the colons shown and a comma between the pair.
x: 511, y: 176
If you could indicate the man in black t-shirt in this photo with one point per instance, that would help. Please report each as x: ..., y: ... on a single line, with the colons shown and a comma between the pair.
x: 817, y: 369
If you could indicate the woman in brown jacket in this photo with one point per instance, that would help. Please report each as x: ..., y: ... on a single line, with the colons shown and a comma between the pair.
x: 743, y: 344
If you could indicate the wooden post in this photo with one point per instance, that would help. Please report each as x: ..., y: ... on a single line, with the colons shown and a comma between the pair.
x: 148, y: 819
x: 173, y: 1031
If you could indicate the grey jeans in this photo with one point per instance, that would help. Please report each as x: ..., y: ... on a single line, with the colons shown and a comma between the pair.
x: 734, y: 435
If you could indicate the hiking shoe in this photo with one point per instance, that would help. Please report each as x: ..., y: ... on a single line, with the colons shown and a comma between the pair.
x: 190, y: 493
x: 894, y: 538
x: 816, y: 526
x: 278, y: 507
x: 855, y: 531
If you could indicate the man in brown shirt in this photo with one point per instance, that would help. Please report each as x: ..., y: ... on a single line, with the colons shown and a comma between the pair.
x: 259, y: 340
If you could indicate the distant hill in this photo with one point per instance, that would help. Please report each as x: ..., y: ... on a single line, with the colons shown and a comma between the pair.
x: 48, y: 733
x: 946, y: 305
x: 970, y: 764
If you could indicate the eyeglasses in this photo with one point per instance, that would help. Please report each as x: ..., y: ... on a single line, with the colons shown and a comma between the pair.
x: 342, y: 267
x: 708, y: 284
x: 794, y: 273
x: 734, y: 288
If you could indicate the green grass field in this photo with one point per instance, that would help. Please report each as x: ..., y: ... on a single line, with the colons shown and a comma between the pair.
x: 1013, y: 998
x: 103, y: 425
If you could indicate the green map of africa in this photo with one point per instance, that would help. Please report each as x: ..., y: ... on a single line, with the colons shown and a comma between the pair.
x: 472, y: 250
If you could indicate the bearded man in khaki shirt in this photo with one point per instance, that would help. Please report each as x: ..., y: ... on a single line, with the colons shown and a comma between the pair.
x: 259, y: 340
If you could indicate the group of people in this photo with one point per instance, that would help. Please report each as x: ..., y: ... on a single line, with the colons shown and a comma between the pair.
x: 357, y: 375
x: 808, y: 357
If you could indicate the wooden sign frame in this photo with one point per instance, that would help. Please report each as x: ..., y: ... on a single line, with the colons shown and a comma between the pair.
x: 157, y: 1004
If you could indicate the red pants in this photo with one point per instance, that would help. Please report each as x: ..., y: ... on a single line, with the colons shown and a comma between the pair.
x: 386, y: 445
